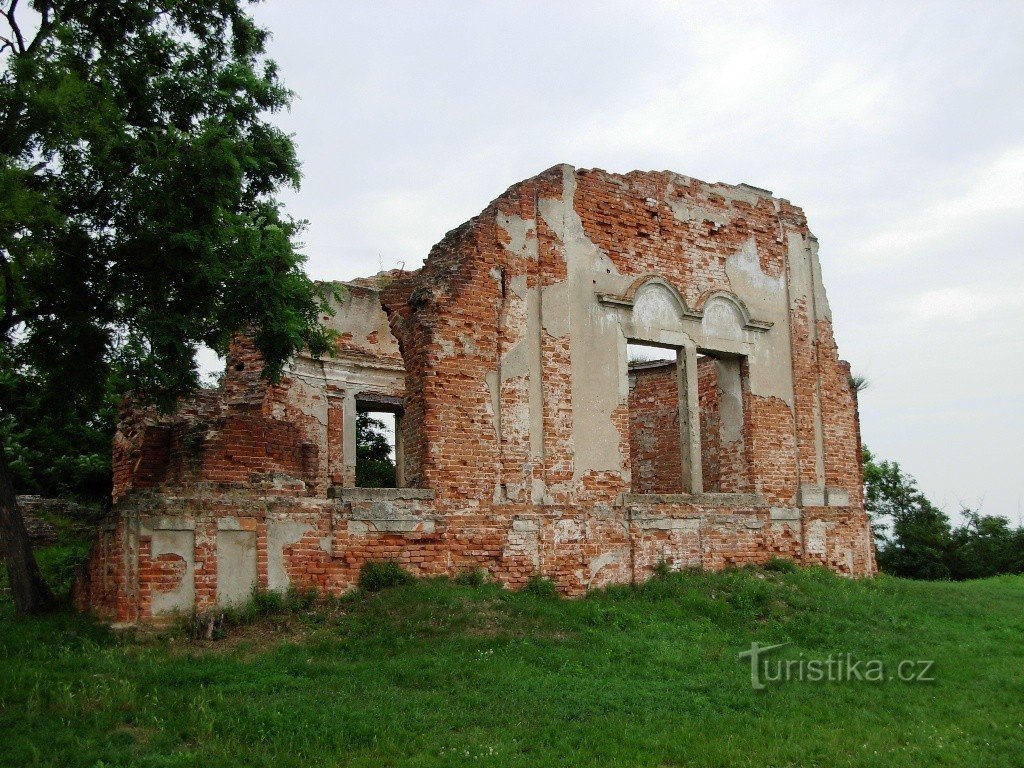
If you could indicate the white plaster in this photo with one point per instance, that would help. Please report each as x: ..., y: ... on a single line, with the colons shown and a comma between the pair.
x: 656, y: 309
x: 606, y: 559
x: 837, y: 497
x: 816, y: 537
x: 236, y: 566
x: 280, y: 535
x: 181, y: 543
x: 722, y: 319
x: 730, y: 395
x: 520, y: 231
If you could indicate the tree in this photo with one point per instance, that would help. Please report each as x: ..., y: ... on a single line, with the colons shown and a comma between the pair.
x: 138, y: 176
x: 56, y: 452
x: 913, y: 534
x: 374, y: 465
x: 915, y: 538
x: 986, y: 545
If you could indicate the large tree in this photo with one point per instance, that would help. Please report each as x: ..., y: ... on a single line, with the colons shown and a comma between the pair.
x: 374, y: 466
x: 138, y: 220
x: 913, y: 534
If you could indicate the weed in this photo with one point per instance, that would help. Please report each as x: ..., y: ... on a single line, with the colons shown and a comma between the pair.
x: 539, y: 586
x: 375, y: 576
x: 780, y: 565
x: 474, y: 578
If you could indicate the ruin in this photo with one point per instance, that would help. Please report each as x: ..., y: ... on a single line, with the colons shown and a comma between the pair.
x: 530, y: 440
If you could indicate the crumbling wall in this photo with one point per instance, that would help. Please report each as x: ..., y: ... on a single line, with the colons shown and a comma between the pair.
x: 723, y: 403
x: 528, y: 445
x: 655, y: 449
x: 710, y: 423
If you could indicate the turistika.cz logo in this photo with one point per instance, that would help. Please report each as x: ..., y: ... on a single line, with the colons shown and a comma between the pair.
x: 835, y: 668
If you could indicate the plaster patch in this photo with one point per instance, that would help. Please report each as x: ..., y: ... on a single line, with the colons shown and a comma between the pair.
x: 816, y: 537
x: 280, y: 535
x: 236, y: 567
x: 656, y: 309
x: 181, y: 544
x: 723, y: 320
x: 743, y: 269
x: 606, y: 559
x: 520, y: 231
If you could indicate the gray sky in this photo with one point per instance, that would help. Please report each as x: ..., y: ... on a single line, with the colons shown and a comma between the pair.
x: 897, y: 126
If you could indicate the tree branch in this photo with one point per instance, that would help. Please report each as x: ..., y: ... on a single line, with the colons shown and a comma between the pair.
x: 13, y: 24
x: 46, y: 22
x: 45, y: 25
x: 5, y: 267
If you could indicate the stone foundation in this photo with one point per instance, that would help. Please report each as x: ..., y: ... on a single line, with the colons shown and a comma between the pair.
x: 198, y: 553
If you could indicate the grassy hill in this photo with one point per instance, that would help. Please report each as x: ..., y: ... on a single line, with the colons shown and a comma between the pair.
x: 438, y: 674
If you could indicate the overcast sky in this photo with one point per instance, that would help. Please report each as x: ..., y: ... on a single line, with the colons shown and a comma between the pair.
x: 898, y: 127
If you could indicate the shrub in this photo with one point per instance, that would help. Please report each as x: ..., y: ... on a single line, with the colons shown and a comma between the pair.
x: 780, y: 565
x: 265, y: 603
x: 541, y: 587
x: 375, y: 576
x: 474, y: 578
x: 662, y: 570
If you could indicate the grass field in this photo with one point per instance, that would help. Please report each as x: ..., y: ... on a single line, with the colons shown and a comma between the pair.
x: 437, y: 674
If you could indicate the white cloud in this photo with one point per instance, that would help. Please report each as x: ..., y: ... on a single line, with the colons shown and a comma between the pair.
x: 731, y: 86
x: 965, y: 304
x: 997, y: 190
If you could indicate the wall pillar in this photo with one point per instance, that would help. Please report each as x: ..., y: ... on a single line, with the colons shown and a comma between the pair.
x: 689, y: 419
x: 350, y: 415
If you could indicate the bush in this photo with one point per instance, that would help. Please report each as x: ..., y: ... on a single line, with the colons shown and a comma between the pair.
x: 375, y: 576
x: 916, y: 539
x: 474, y: 578
x: 541, y: 587
x: 662, y: 570
x: 780, y: 565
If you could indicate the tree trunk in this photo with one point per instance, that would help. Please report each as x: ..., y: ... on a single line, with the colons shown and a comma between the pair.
x: 31, y: 593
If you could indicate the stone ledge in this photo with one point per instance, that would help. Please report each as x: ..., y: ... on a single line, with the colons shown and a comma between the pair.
x: 150, y: 523
x: 379, y: 494
x: 696, y: 499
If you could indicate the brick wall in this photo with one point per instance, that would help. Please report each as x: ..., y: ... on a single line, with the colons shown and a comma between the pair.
x: 576, y: 549
x: 655, y: 450
x: 710, y: 424
x: 523, y: 428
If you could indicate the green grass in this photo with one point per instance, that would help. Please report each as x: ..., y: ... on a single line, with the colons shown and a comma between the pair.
x: 436, y: 673
x: 60, y: 561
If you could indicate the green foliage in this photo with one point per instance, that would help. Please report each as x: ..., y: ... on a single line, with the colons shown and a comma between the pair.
x: 858, y: 383
x: 477, y: 577
x: 139, y: 173
x: 264, y: 604
x: 662, y: 570
x: 60, y: 565
x: 916, y: 540
x: 539, y: 586
x: 985, y: 545
x: 374, y: 465
x: 56, y: 449
x: 375, y: 576
x: 59, y: 562
x: 780, y: 565
x: 437, y: 674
